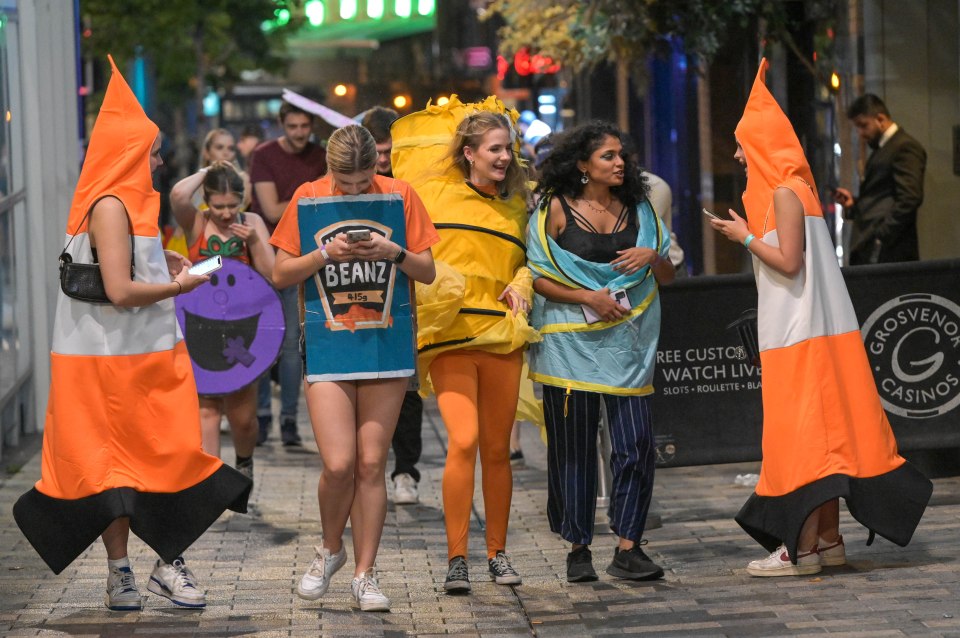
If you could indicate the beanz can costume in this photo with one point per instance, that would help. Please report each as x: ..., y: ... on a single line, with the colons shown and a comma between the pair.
x: 122, y: 432
x: 825, y: 434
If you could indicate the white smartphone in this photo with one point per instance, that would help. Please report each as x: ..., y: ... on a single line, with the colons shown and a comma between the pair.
x: 207, y: 266
x: 619, y: 296
x: 353, y: 236
x: 723, y: 218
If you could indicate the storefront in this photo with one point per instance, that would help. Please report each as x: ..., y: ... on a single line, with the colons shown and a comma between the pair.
x: 39, y: 164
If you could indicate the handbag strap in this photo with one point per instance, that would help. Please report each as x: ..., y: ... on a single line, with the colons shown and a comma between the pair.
x: 93, y: 250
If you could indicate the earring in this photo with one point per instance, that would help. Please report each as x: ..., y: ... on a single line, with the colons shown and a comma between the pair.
x: 470, y: 161
x: 584, y: 178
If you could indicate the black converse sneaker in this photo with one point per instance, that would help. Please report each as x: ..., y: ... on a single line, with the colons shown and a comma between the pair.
x: 502, y: 571
x: 458, y: 578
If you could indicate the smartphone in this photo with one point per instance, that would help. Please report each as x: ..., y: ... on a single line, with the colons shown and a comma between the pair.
x: 353, y: 236
x: 721, y: 217
x: 207, y: 266
x: 619, y: 296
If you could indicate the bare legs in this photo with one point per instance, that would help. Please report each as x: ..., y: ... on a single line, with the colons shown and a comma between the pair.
x: 353, y: 422
x: 823, y: 522
x: 115, y: 538
x: 241, y: 410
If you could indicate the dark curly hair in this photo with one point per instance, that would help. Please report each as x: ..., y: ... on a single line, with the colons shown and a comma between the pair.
x: 559, y: 174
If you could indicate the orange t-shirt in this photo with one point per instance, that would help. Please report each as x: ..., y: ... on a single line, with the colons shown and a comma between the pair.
x: 419, y: 229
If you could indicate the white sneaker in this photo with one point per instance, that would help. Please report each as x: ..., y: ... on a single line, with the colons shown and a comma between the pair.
x: 122, y: 592
x: 778, y: 564
x: 832, y: 554
x: 405, y: 490
x: 314, y: 583
x: 366, y: 591
x: 176, y: 582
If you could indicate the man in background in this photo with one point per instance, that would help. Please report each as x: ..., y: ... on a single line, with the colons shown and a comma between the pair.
x: 407, y: 438
x: 277, y: 168
x: 884, y: 214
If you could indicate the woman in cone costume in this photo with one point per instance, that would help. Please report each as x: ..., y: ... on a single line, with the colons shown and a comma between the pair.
x: 462, y: 160
x: 121, y: 443
x: 825, y: 434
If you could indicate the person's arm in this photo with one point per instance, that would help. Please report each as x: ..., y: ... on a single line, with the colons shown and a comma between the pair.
x: 253, y: 231
x: 110, y: 233
x: 181, y: 203
x: 909, y: 165
x: 787, y: 258
x: 270, y: 204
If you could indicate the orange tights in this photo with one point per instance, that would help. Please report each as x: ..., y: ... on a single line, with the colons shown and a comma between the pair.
x: 477, y: 395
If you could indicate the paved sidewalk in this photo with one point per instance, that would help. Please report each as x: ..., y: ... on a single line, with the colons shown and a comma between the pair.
x: 250, y: 564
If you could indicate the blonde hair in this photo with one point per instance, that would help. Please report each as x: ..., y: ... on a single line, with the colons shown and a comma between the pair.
x: 208, y: 142
x: 470, y: 133
x: 351, y: 149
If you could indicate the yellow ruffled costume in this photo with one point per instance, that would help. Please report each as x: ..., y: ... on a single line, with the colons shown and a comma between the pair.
x: 481, y: 251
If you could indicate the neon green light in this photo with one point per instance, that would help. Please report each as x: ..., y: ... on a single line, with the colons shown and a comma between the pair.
x: 315, y: 12
x: 283, y: 16
x: 375, y: 9
x: 426, y: 7
x: 348, y: 9
x: 403, y: 8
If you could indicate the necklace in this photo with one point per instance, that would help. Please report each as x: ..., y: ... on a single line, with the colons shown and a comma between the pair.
x: 599, y: 210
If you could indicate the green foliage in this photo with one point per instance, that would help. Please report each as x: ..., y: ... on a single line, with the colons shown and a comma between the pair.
x: 185, y: 38
x: 582, y: 33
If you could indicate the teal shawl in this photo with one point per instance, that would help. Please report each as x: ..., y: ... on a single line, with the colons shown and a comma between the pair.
x: 615, y: 357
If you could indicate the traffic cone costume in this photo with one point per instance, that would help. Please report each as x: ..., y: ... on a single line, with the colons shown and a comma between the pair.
x: 122, y: 432
x: 825, y: 434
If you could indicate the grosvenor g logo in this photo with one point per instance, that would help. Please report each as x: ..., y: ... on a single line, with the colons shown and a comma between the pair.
x: 913, y: 344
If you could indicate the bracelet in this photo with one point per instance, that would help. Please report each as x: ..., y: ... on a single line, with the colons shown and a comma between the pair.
x: 746, y: 240
x: 323, y: 252
x: 179, y: 288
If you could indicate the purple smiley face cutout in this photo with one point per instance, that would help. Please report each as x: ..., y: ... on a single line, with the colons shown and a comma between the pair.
x: 233, y: 326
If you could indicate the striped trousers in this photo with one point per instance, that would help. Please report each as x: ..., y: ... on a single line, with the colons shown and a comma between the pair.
x: 572, y: 421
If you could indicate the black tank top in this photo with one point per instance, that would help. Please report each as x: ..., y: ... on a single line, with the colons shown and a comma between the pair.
x: 590, y: 244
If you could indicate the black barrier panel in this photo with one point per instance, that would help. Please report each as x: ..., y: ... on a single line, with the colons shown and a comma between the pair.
x: 707, y: 405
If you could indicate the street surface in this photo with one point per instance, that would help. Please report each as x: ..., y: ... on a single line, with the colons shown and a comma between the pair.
x: 249, y: 565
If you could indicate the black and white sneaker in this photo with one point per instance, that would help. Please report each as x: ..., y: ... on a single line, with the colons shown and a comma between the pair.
x: 458, y: 578
x: 502, y: 571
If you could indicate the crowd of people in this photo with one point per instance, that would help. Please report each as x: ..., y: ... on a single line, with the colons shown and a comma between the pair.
x: 415, y: 255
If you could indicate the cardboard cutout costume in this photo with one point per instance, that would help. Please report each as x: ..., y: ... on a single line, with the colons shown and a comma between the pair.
x: 825, y: 434
x: 122, y: 433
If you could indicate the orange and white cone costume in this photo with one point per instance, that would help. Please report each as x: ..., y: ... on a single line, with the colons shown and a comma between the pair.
x: 122, y: 433
x: 825, y: 434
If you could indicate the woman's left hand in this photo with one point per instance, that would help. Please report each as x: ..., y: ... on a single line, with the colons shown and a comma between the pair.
x: 176, y: 262
x: 514, y: 300
x: 633, y: 259
x: 377, y: 248
x: 735, y: 230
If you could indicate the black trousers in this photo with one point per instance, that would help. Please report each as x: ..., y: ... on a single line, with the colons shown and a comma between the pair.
x: 407, y: 438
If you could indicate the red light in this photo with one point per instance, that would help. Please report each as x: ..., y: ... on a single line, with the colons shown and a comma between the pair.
x: 502, y: 67
x: 83, y: 91
x: 525, y: 64
x: 87, y: 33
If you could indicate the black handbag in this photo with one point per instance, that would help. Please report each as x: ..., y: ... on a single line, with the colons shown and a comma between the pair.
x: 746, y: 327
x: 84, y: 282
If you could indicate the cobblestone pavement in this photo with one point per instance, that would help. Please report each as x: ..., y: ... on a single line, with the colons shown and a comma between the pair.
x: 249, y: 565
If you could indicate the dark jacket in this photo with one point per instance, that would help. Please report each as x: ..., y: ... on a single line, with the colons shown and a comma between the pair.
x: 886, y: 209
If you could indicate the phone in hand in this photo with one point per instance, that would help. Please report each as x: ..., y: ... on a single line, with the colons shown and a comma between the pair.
x: 207, y: 266
x: 619, y: 296
x: 723, y: 217
x: 353, y: 236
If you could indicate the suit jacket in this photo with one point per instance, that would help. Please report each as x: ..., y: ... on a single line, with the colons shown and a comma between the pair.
x: 886, y: 209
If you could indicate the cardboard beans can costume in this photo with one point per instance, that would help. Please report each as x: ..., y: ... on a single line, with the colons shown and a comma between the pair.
x: 358, y: 317
x: 233, y: 328
x: 825, y: 434
x: 122, y: 432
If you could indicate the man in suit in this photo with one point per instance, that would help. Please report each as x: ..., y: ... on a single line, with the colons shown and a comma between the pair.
x: 884, y: 214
